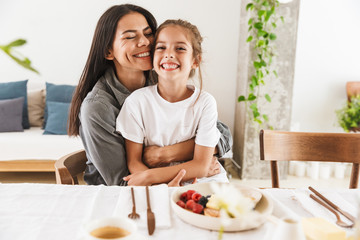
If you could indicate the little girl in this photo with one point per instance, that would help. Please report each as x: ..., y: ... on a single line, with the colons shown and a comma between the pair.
x: 171, y: 111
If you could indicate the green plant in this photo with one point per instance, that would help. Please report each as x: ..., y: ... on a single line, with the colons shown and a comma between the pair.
x: 261, y: 33
x: 349, y: 115
x: 16, y: 56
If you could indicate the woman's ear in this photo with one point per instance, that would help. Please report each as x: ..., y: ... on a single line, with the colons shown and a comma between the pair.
x: 109, y: 55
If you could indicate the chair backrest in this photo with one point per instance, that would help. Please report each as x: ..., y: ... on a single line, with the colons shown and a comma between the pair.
x: 305, y: 146
x: 68, y: 167
x: 352, y: 89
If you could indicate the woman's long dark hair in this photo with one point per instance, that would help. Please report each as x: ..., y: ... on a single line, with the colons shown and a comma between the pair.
x: 96, y: 63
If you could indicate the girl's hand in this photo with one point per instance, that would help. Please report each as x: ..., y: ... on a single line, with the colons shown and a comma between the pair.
x: 138, y: 179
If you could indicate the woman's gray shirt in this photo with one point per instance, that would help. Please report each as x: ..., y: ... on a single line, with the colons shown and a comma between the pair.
x: 105, y: 148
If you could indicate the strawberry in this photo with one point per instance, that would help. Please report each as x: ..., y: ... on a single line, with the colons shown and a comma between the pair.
x: 183, y: 197
x: 181, y: 203
x: 189, y: 204
x: 189, y: 194
x: 197, y: 208
x: 196, y: 197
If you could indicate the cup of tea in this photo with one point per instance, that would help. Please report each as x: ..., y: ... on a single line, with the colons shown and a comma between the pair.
x: 113, y: 228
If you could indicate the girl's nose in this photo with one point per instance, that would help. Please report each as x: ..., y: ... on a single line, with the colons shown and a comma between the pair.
x: 169, y: 54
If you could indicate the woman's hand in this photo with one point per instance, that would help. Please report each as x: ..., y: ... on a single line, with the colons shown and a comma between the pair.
x: 214, y: 167
x: 141, y: 178
x: 152, y: 156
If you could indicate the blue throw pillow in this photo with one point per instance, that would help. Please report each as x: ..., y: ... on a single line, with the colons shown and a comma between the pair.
x: 57, y: 93
x: 11, y: 90
x: 57, y: 118
x: 11, y: 111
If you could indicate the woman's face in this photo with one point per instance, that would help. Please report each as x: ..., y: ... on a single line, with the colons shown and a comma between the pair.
x: 132, y: 44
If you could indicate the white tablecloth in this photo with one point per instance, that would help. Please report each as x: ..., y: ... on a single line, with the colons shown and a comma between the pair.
x: 47, y: 211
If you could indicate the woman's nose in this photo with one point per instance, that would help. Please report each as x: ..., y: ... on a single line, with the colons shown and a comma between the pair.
x: 143, y: 41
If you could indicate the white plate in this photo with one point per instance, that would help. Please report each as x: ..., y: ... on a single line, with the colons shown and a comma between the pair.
x: 263, y: 209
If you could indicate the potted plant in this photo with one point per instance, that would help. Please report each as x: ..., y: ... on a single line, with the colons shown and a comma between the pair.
x: 16, y: 56
x: 349, y: 115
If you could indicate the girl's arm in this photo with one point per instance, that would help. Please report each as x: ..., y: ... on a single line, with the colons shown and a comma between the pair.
x: 197, y: 167
x: 133, y: 156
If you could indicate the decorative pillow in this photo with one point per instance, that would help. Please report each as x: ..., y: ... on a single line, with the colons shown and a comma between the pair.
x: 11, y: 90
x: 57, y: 93
x: 36, y: 105
x: 11, y: 112
x: 57, y: 118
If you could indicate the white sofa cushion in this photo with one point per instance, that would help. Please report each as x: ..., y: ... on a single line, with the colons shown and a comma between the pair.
x: 33, y: 145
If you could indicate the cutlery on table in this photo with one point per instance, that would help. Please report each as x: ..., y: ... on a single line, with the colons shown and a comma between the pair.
x: 150, y: 214
x: 133, y: 214
x: 338, y: 221
x: 346, y: 214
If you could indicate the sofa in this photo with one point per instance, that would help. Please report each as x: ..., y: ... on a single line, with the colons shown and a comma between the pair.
x: 33, y: 143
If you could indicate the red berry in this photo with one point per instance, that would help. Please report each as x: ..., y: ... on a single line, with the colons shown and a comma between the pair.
x: 189, y: 204
x: 189, y: 194
x: 197, y: 208
x: 181, y: 203
x: 196, y: 197
x: 183, y: 197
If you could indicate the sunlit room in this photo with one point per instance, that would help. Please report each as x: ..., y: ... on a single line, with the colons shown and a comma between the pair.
x: 161, y: 119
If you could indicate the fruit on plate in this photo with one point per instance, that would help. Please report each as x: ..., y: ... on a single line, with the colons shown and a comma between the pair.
x: 218, y: 204
x: 211, y: 212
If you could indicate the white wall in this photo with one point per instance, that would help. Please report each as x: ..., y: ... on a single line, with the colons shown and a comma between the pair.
x: 328, y: 56
x: 59, y: 35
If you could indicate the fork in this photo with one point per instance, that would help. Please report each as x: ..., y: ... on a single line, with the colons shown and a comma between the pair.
x: 133, y: 214
x: 338, y: 221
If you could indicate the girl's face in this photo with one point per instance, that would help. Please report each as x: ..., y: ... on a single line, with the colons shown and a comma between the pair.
x: 132, y: 44
x: 173, y: 55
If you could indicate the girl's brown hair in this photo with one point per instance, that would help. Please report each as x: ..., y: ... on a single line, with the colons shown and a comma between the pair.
x: 194, y: 37
x: 96, y: 63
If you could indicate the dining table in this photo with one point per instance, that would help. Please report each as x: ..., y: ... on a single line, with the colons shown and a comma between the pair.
x: 51, y: 211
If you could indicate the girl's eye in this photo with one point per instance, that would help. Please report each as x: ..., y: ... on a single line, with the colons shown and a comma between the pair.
x: 181, y: 49
x: 160, y: 48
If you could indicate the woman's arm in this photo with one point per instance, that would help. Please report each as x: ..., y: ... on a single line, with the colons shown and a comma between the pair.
x: 105, y: 149
x: 155, y: 156
x: 133, y: 156
x: 197, y: 167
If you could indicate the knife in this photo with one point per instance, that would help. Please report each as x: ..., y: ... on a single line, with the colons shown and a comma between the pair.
x: 346, y: 214
x: 150, y: 214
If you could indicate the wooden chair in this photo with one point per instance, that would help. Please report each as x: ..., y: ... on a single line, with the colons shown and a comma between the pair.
x: 302, y: 146
x: 68, y: 167
x: 352, y: 89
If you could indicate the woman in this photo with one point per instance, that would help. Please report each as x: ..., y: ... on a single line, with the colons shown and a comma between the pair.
x: 119, y: 63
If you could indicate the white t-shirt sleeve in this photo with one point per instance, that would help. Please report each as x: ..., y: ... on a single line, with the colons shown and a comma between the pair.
x: 129, y: 122
x: 207, y: 133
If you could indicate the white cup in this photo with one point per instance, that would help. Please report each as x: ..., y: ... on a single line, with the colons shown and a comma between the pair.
x: 313, y: 170
x: 300, y: 168
x: 119, y: 228
x: 339, y: 171
x: 289, y: 229
x: 325, y: 171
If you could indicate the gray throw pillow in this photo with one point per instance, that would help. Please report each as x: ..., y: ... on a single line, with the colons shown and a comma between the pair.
x: 11, y: 112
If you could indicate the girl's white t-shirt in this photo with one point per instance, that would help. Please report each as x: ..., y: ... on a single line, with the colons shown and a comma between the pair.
x: 149, y: 119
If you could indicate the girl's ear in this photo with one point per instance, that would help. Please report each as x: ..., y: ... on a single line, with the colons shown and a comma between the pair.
x: 196, y: 62
x: 109, y: 55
